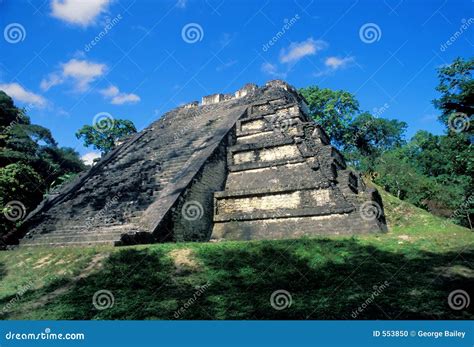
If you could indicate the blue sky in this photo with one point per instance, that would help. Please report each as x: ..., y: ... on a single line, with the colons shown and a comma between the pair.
x: 151, y: 56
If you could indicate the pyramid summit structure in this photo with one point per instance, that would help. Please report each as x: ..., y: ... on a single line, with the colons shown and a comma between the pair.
x: 243, y: 166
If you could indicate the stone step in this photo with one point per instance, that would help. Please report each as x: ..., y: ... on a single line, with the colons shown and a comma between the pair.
x: 92, y: 230
x: 85, y: 233
x: 69, y: 244
x: 69, y: 239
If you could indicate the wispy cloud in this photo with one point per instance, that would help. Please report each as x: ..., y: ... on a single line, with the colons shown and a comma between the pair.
x: 181, y: 3
x: 333, y: 64
x: 227, y: 65
x: 298, y: 50
x: 18, y: 93
x: 113, y: 94
x: 78, y: 12
x: 336, y: 63
x: 225, y: 39
x: 272, y: 70
x: 80, y: 72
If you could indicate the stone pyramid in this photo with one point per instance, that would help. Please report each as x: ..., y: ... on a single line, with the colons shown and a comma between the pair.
x: 251, y: 165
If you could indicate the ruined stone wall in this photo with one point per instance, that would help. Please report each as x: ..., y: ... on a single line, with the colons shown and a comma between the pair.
x: 285, y: 180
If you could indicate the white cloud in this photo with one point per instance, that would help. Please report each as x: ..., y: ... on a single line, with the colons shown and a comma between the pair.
x: 88, y: 158
x: 272, y: 70
x: 336, y: 63
x: 110, y: 92
x: 18, y: 93
x: 81, y: 72
x: 113, y: 94
x: 52, y: 80
x: 181, y: 3
x: 333, y: 64
x: 78, y: 12
x: 125, y: 99
x: 299, y: 50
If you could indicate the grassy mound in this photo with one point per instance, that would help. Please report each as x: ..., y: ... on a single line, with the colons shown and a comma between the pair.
x: 407, y: 273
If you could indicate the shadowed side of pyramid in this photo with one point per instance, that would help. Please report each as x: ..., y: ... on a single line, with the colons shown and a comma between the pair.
x: 245, y: 166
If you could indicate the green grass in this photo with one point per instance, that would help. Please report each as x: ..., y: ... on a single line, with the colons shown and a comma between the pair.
x: 422, y: 258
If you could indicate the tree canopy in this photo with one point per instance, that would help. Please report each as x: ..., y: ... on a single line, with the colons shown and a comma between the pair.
x: 105, y: 138
x: 434, y: 172
x: 31, y: 162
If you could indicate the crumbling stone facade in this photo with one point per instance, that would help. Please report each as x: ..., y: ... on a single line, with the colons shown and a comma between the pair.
x: 251, y: 165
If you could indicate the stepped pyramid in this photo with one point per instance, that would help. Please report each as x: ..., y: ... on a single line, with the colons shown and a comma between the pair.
x: 251, y: 165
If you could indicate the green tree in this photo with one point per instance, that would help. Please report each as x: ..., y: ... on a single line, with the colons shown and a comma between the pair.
x: 453, y: 155
x: 333, y: 110
x: 30, y: 161
x: 457, y: 91
x: 367, y: 137
x: 20, y: 189
x: 105, y: 139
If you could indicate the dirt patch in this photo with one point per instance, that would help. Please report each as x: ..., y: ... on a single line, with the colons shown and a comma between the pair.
x: 184, y: 260
x: 42, y: 262
x: 95, y: 264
